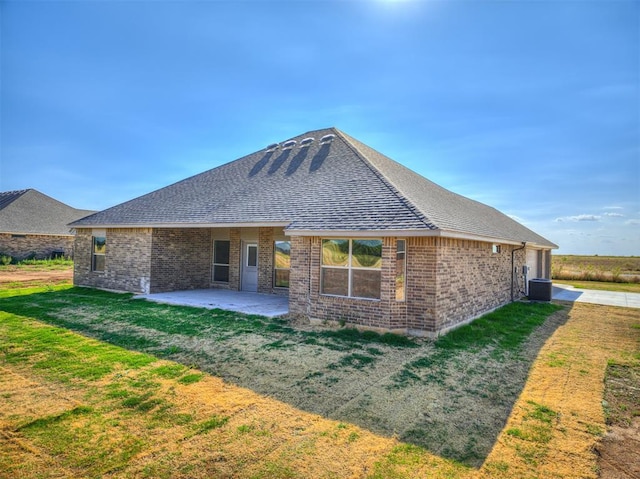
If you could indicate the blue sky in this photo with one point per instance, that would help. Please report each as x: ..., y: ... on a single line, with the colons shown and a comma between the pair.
x: 532, y: 107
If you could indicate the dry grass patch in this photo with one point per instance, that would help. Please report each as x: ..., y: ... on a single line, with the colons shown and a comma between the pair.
x: 558, y: 419
x: 134, y: 417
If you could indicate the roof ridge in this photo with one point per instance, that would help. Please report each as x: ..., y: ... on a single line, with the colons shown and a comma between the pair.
x: 15, y: 192
x: 8, y: 197
x: 386, y: 181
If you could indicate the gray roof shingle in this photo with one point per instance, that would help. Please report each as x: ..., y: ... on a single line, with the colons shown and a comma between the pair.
x: 342, y: 185
x: 31, y: 212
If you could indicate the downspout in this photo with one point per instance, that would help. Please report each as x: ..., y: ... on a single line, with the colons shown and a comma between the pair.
x: 524, y: 244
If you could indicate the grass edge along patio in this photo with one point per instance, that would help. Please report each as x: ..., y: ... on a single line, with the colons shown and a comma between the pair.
x: 345, y: 232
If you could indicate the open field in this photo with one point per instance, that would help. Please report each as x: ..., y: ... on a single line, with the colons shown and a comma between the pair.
x: 125, y: 414
x: 616, y: 269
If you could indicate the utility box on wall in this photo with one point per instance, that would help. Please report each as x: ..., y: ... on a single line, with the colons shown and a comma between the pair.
x: 540, y: 289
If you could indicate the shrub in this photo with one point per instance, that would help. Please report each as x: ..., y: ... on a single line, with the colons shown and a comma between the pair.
x: 64, y: 261
x: 5, y: 260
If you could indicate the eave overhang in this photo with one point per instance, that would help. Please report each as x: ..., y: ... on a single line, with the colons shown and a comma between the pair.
x: 331, y: 233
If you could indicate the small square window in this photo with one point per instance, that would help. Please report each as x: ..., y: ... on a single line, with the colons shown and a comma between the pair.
x: 495, y: 249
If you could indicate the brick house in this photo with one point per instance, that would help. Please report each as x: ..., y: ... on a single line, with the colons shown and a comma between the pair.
x: 347, y: 233
x: 33, y: 224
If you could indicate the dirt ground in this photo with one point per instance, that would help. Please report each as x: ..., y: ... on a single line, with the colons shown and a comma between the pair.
x: 12, y: 277
x: 619, y: 451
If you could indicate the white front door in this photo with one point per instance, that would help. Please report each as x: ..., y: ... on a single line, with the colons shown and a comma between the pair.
x: 250, y: 267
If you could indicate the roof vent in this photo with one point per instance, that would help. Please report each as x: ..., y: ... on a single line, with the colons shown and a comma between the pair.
x: 307, y: 141
x: 287, y: 145
x: 272, y: 147
x: 327, y: 138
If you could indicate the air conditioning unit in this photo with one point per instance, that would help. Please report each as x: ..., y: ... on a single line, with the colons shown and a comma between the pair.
x: 540, y: 289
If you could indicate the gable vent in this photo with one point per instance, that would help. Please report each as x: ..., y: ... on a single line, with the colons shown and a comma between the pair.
x: 272, y: 147
x: 307, y: 141
x: 287, y: 145
x: 327, y: 138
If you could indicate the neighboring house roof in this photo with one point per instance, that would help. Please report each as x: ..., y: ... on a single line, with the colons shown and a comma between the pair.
x: 341, y: 185
x: 31, y: 212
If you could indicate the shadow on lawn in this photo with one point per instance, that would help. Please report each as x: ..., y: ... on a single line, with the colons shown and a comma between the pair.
x: 452, y: 396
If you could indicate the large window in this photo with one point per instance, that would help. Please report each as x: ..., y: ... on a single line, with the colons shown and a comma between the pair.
x: 351, y: 267
x: 221, y: 261
x: 401, y: 270
x: 98, y: 251
x: 281, y: 264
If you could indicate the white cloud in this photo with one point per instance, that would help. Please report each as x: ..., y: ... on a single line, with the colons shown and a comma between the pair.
x: 612, y: 208
x: 632, y: 222
x: 579, y: 218
x: 618, y: 215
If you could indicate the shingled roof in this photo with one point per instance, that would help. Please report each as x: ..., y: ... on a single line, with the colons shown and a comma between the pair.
x: 312, y: 186
x: 31, y: 212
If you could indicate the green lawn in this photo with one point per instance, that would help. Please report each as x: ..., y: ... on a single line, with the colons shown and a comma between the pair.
x: 364, y: 378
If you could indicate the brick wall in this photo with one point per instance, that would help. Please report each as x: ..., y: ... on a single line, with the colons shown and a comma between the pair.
x: 421, y: 284
x: 448, y: 282
x: 471, y: 280
x: 299, y: 277
x: 127, y: 260
x: 265, y: 260
x: 235, y: 247
x: 180, y: 259
x: 37, y: 246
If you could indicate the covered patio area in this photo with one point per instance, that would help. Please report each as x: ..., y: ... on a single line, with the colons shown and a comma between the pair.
x: 270, y: 305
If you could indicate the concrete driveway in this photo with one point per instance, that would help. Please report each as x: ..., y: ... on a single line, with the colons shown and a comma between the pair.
x: 564, y: 292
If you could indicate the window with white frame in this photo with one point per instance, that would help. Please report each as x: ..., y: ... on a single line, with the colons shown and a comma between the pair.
x: 401, y: 270
x: 281, y: 264
x: 98, y: 252
x: 351, y: 267
x: 221, y: 260
x: 495, y: 248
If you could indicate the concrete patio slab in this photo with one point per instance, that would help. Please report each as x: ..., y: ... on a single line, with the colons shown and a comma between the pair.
x: 270, y: 305
x: 564, y: 292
